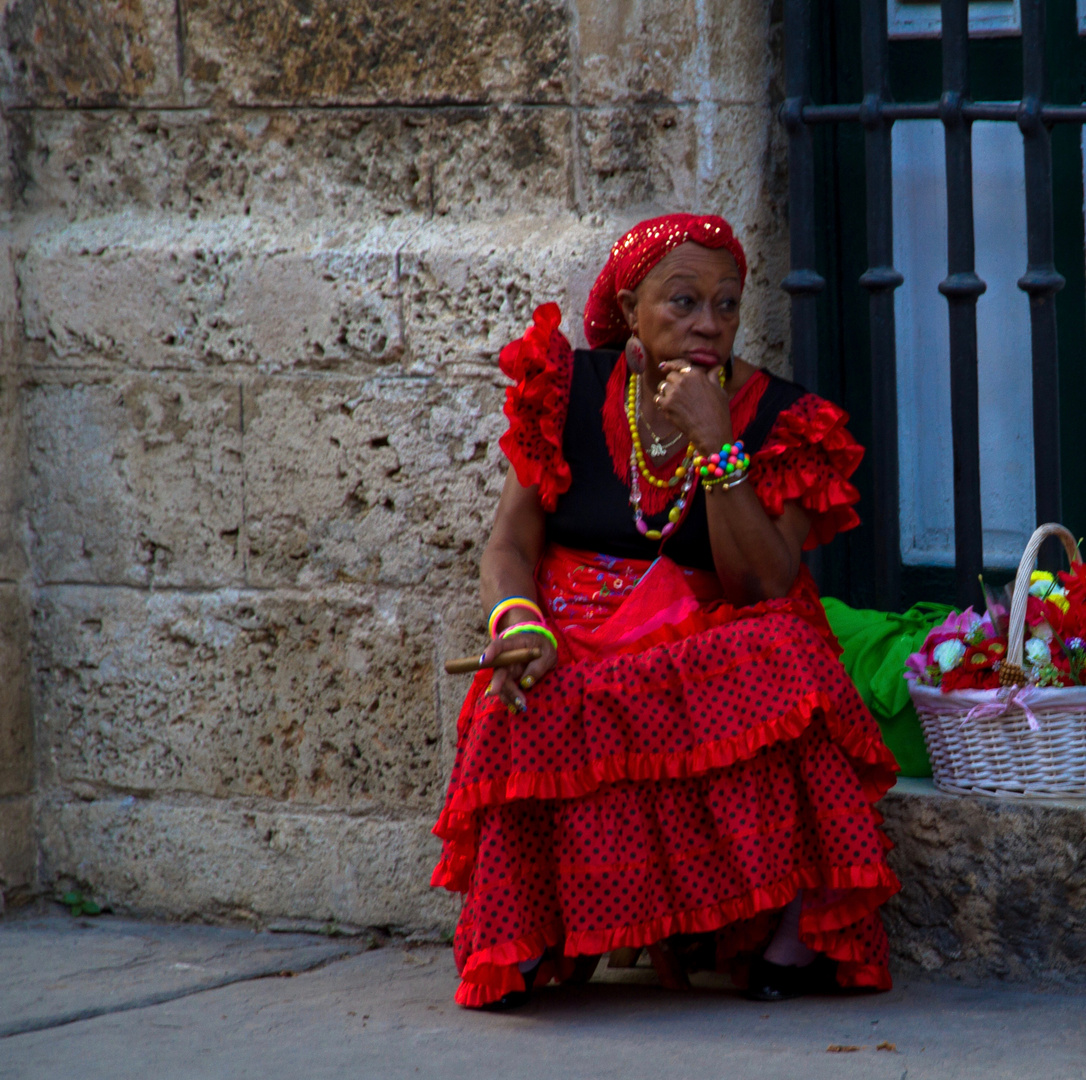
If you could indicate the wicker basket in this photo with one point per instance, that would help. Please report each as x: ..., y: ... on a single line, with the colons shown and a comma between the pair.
x: 1014, y: 742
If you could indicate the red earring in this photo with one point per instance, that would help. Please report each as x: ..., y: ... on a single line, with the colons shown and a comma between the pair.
x: 635, y: 356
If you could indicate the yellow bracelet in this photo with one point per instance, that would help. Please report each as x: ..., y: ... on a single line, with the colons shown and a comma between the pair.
x: 530, y: 628
x: 510, y: 602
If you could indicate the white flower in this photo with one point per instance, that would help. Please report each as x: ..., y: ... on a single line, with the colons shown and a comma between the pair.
x: 948, y: 655
x: 1037, y: 651
x: 1041, y: 632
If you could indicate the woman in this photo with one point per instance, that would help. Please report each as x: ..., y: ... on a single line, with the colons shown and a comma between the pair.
x: 686, y: 756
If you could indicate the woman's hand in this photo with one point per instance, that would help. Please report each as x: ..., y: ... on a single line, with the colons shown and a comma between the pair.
x: 512, y: 684
x: 692, y: 399
x: 508, y: 569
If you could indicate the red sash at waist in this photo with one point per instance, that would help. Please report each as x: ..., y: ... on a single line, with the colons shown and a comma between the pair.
x: 602, y: 605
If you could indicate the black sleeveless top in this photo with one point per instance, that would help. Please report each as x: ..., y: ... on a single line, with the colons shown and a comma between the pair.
x: 595, y: 513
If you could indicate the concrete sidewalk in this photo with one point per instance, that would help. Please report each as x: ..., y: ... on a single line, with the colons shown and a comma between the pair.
x: 116, y: 999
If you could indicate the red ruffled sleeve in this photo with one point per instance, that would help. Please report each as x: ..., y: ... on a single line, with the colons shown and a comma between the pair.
x: 541, y: 367
x: 808, y: 456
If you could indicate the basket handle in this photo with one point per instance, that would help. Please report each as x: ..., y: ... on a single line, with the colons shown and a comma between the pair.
x: 1016, y: 629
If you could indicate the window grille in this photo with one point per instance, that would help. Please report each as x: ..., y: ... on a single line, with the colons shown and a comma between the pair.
x: 961, y: 287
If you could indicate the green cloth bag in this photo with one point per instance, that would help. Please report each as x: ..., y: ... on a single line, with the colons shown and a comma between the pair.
x: 876, y: 645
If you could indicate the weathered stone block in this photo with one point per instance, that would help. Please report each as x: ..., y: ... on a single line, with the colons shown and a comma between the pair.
x: 992, y: 888
x: 7, y: 172
x: 641, y: 156
x: 324, y: 698
x: 153, y: 857
x: 16, y: 741
x: 12, y: 448
x: 135, y: 481
x: 468, y: 289
x: 460, y: 631
x: 363, y: 51
x: 390, y: 481
x: 652, y: 50
x: 210, y: 296
x: 9, y: 309
x: 703, y: 158
x: 12, y: 470
x: 18, y: 849
x: 483, y: 163
x: 304, y: 164
x: 89, y: 52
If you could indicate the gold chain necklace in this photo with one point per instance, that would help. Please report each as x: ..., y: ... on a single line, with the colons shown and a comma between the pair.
x: 658, y: 449
x: 633, y: 408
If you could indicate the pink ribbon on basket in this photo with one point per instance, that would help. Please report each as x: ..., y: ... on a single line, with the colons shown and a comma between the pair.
x: 989, y: 710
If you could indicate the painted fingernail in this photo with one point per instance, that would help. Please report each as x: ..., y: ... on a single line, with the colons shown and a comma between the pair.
x: 522, y: 705
x: 527, y: 682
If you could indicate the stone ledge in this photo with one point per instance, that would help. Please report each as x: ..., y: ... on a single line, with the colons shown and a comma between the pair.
x: 992, y: 888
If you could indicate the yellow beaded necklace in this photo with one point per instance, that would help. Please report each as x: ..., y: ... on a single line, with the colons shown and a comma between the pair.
x: 633, y: 402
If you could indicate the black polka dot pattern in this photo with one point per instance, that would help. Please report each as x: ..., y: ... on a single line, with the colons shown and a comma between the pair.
x: 688, y: 781
x: 690, y: 787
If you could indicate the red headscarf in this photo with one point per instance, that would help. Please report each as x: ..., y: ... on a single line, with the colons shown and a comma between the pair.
x: 636, y: 254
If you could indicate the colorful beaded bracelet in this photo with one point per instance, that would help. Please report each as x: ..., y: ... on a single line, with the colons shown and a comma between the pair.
x: 730, y: 460
x: 530, y: 628
x: 510, y: 602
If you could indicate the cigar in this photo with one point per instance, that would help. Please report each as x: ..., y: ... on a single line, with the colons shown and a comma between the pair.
x: 463, y: 664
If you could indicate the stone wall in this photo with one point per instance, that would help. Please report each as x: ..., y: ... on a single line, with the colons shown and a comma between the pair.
x: 259, y: 261
x: 17, y: 854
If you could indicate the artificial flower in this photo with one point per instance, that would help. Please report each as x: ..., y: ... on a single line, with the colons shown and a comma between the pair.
x: 948, y: 655
x: 916, y: 666
x: 964, y: 652
x: 1045, y: 587
x: 1041, y: 631
x: 1037, y: 651
x: 977, y: 669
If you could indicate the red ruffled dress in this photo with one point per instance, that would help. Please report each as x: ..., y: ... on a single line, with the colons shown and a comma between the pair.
x: 688, y: 765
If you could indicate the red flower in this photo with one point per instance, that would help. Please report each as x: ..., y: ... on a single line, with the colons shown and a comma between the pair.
x: 977, y: 669
x: 1070, y: 623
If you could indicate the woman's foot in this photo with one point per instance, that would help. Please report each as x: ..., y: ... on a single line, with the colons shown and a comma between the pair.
x: 788, y: 968
x: 516, y: 998
x: 779, y: 982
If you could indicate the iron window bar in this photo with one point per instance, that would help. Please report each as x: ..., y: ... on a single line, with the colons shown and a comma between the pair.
x: 931, y: 110
x: 961, y: 287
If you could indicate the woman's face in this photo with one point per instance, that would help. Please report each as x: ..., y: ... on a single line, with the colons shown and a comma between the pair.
x: 686, y: 308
